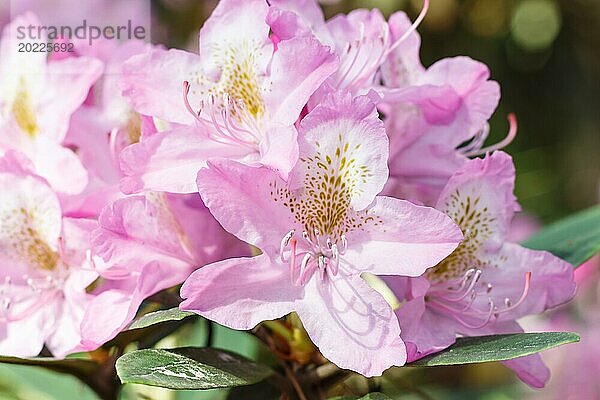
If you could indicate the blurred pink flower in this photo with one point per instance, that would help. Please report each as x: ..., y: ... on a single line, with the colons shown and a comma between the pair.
x: 241, y: 98
x: 45, y: 268
x: 486, y: 283
x: 37, y: 98
x: 145, y: 244
x: 103, y: 126
x: 318, y: 233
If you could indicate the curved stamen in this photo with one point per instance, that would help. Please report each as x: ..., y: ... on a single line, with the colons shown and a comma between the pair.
x: 521, y: 299
x: 512, y: 132
x: 227, y: 131
x: 474, y: 281
x: 344, y: 244
x: 293, y: 271
x: 357, y: 46
x: 440, y: 302
x: 307, y: 271
x: 285, y: 241
x: 463, y: 281
x: 411, y: 29
x: 478, y: 140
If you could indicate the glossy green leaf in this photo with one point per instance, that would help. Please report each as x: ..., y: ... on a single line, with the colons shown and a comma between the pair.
x: 189, y: 368
x: 469, y: 350
x: 574, y: 239
x: 157, y: 317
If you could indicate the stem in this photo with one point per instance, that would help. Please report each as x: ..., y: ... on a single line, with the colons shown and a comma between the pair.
x: 292, y: 377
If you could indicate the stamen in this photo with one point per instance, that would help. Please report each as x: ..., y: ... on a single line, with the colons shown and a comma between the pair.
x: 411, y: 29
x: 285, y: 241
x: 357, y: 46
x: 512, y: 132
x: 307, y: 271
x: 225, y: 132
x: 293, y: 271
x: 475, y: 279
x: 521, y: 299
x: 478, y: 140
x: 344, y: 244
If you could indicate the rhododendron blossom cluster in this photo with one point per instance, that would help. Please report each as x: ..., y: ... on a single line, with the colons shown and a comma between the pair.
x: 273, y: 172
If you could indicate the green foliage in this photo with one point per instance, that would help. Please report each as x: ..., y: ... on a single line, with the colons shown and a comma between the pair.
x: 157, y: 317
x: 469, y: 350
x: 189, y: 368
x: 574, y: 239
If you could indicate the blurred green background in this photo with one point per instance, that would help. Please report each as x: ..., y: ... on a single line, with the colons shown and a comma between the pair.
x: 546, y: 56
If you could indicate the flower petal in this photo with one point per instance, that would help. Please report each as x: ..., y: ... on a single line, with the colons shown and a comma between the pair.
x: 400, y: 238
x: 344, y: 147
x: 153, y: 83
x: 552, y: 281
x: 403, y: 65
x: 352, y: 325
x: 479, y: 198
x: 170, y: 161
x: 300, y: 65
x: 244, y: 200
x: 141, y: 230
x: 241, y: 292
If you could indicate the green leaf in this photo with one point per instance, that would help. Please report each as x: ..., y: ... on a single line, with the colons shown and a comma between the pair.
x: 157, y: 317
x: 477, y: 349
x: 73, y: 366
x: 189, y: 368
x: 574, y: 239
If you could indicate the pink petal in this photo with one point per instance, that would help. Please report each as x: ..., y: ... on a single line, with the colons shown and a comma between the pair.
x: 153, y: 83
x: 111, y: 311
x: 530, y: 369
x: 479, y: 196
x: 401, y: 239
x: 170, y: 161
x: 403, y: 65
x: 33, y: 328
x: 141, y: 230
x: 352, y: 325
x: 248, y: 16
x: 241, y: 292
x: 279, y: 149
x: 67, y: 86
x: 299, y: 67
x: 60, y: 166
x: 343, y: 137
x: 288, y: 18
x: 552, y: 280
x: 241, y: 199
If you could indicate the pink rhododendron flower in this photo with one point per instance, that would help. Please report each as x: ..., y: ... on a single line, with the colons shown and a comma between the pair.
x: 45, y: 268
x: 103, y: 126
x: 241, y: 98
x: 147, y: 243
x: 318, y: 232
x: 486, y: 283
x: 430, y: 113
x: 362, y: 40
x: 37, y: 98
